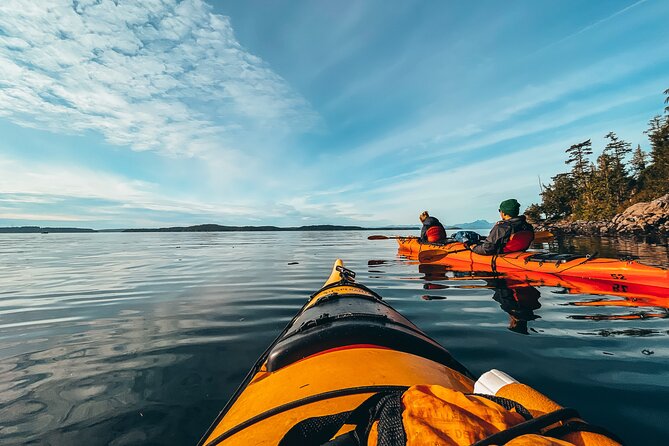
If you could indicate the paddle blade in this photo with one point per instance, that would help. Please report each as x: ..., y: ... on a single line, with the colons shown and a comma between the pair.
x: 378, y: 237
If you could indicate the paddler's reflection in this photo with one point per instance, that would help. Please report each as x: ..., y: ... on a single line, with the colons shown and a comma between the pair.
x: 433, y: 271
x: 519, y: 300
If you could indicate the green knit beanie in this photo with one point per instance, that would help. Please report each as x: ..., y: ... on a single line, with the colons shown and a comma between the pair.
x: 510, y: 207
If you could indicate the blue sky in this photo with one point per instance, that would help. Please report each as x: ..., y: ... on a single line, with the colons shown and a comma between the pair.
x: 157, y: 112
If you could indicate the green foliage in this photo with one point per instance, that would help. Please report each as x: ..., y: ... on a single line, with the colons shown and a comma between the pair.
x: 614, y: 173
x: 534, y: 213
x: 656, y: 176
x: 596, y: 191
x: 557, y: 197
x: 639, y: 162
x: 578, y: 158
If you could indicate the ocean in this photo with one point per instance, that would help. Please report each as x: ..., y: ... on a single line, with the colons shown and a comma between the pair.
x: 140, y: 338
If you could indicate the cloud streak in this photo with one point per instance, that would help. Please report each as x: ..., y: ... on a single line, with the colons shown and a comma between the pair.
x: 156, y: 75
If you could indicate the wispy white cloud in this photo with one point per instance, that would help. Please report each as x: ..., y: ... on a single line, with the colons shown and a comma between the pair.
x: 44, y: 217
x: 68, y: 193
x: 153, y: 75
x: 48, y: 184
x: 570, y: 93
x: 593, y: 25
x: 460, y: 193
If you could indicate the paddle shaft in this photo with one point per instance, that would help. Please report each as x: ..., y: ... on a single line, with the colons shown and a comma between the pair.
x: 539, y: 236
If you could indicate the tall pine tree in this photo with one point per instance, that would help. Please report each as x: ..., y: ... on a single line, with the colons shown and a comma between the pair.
x: 581, y: 174
x: 656, y: 176
x: 639, y: 162
x: 618, y: 178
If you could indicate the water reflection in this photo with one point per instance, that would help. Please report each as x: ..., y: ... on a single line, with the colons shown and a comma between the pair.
x: 517, y: 299
x: 649, y: 250
x: 519, y: 296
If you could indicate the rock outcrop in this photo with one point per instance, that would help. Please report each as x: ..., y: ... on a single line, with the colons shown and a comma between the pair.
x: 650, y: 218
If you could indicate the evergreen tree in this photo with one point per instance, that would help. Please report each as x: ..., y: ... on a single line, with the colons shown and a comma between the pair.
x: 656, y: 175
x: 600, y: 187
x: 533, y: 213
x: 639, y: 162
x: 596, y: 191
x: 617, y: 176
x: 578, y: 156
x: 557, y: 197
x: 582, y: 172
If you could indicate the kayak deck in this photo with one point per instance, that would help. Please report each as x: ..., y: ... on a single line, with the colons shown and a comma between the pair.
x: 344, y: 345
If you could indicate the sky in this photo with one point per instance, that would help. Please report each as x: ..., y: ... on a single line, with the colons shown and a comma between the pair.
x: 153, y: 113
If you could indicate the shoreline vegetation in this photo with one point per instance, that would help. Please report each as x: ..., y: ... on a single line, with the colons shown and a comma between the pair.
x: 623, y: 192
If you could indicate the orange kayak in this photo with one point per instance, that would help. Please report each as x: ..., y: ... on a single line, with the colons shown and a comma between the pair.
x: 348, y: 356
x: 621, y: 277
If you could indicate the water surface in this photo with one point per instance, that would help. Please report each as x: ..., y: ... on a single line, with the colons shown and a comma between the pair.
x: 140, y: 338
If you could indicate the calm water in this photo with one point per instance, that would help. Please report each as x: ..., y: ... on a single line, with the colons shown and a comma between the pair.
x: 126, y: 339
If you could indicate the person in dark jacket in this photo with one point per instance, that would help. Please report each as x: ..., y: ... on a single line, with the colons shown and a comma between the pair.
x: 432, y: 231
x: 511, y: 234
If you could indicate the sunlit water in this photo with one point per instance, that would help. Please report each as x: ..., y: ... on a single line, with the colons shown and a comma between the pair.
x: 126, y: 338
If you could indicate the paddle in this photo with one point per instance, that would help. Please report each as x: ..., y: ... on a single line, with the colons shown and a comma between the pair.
x: 384, y: 237
x: 539, y: 237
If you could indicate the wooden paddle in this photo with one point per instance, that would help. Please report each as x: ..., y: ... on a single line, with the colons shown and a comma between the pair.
x: 539, y: 237
x: 384, y: 237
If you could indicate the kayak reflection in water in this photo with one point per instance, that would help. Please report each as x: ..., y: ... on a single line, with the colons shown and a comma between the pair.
x: 511, y: 234
x: 519, y: 300
x: 432, y: 231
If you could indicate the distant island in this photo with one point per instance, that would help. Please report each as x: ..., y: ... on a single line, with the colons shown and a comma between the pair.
x: 478, y: 224
x: 38, y: 230
x: 221, y: 228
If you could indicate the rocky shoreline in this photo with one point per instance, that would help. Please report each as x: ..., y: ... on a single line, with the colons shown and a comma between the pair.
x: 640, y: 219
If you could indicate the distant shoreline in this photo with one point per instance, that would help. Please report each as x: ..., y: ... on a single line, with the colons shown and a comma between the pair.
x: 479, y: 224
x: 201, y: 228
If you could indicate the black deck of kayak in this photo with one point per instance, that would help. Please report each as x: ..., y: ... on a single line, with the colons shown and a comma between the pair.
x: 354, y: 319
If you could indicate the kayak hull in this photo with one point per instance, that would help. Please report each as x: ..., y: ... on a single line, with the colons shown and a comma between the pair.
x: 621, y: 277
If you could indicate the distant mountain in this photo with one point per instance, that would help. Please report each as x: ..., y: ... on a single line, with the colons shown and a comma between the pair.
x: 478, y: 224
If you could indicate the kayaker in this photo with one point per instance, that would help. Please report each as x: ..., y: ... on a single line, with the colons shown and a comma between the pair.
x: 432, y: 231
x: 511, y: 234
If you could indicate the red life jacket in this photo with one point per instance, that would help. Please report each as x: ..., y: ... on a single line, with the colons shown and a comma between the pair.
x: 519, y: 241
x: 435, y: 234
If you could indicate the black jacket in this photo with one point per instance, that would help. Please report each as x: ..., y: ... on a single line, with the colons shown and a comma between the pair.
x: 427, y: 224
x: 500, y: 235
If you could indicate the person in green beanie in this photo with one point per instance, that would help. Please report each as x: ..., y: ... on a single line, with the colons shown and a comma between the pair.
x: 511, y: 234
